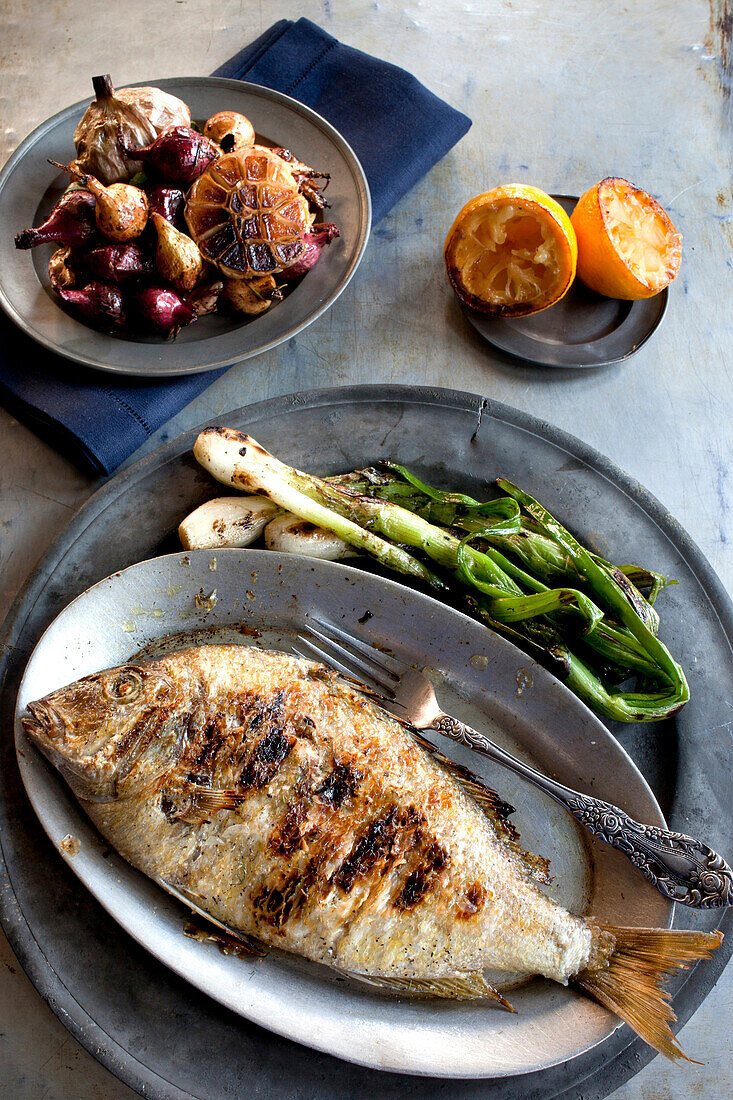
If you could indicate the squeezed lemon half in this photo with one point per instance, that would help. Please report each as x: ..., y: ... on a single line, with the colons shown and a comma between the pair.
x: 627, y: 245
x: 511, y: 251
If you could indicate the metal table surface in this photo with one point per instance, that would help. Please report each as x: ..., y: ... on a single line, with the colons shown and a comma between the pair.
x: 560, y: 95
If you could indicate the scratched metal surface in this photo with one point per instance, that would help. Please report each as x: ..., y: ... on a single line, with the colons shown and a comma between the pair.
x: 560, y: 95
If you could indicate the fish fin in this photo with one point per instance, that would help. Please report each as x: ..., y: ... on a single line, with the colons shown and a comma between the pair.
x: 468, y: 986
x: 241, y: 945
x: 193, y: 802
x: 535, y: 867
x: 188, y: 898
x: 495, y: 809
x: 487, y: 798
x: 210, y: 799
x: 629, y: 983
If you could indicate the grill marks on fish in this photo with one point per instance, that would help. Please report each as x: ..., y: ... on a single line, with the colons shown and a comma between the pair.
x: 340, y: 784
x: 398, y: 836
x: 286, y: 837
x: 372, y: 847
x: 396, y: 841
x: 274, y: 905
x: 250, y: 746
x: 329, y: 795
x: 267, y: 754
x: 428, y: 859
x: 213, y: 736
x: 312, y: 825
x: 270, y: 749
x: 212, y: 746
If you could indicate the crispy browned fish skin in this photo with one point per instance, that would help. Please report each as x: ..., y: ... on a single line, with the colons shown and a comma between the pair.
x: 290, y: 807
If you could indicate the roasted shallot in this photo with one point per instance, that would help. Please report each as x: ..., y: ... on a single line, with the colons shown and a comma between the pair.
x: 177, y: 257
x: 61, y: 268
x: 166, y: 201
x: 121, y: 210
x: 230, y: 131
x: 315, y: 241
x: 251, y: 296
x: 70, y: 222
x: 160, y: 310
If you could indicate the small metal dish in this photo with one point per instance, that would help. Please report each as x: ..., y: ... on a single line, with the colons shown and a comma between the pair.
x: 584, y: 329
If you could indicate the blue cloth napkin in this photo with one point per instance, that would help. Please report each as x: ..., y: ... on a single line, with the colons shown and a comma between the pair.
x: 97, y: 420
x: 397, y: 128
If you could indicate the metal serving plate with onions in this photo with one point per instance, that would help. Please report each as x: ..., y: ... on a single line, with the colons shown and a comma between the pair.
x: 263, y: 598
x: 30, y: 186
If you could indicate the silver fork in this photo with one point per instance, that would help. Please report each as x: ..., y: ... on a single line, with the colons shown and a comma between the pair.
x: 682, y: 868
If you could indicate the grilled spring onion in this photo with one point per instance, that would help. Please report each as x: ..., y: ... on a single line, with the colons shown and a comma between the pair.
x: 223, y: 451
x: 226, y: 521
x: 593, y: 630
x: 292, y: 535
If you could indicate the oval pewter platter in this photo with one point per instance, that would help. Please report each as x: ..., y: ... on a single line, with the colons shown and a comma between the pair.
x: 29, y: 187
x: 267, y: 592
x: 157, y: 1033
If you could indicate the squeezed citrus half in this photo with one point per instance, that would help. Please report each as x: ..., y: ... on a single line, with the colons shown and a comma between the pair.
x: 511, y: 251
x: 627, y: 245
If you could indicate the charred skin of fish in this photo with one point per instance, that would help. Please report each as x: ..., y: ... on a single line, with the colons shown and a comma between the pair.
x: 294, y: 810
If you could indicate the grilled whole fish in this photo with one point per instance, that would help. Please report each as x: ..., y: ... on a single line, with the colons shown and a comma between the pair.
x: 289, y: 807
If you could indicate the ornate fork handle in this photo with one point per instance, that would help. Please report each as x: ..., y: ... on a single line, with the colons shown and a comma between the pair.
x: 682, y: 868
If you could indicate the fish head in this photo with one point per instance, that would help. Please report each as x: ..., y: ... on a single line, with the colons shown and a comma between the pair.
x: 95, y: 729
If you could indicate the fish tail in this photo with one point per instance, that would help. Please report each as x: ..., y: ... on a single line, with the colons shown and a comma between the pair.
x: 629, y: 980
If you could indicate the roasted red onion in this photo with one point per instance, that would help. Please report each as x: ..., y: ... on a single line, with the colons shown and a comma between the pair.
x: 99, y: 304
x: 119, y: 263
x: 70, y: 222
x: 166, y: 201
x: 178, y: 155
x: 315, y: 240
x: 159, y: 309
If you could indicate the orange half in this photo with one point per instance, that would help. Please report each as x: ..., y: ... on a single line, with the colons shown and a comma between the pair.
x: 627, y: 245
x: 511, y: 251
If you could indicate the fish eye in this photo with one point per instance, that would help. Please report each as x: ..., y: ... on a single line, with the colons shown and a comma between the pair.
x: 124, y: 688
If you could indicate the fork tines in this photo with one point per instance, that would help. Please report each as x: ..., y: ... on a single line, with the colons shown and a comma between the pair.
x: 351, y: 656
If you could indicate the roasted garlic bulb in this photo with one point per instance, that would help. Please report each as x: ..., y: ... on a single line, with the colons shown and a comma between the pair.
x: 131, y: 116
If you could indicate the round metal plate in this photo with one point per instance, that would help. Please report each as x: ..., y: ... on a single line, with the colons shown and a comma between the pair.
x: 29, y: 186
x: 583, y: 329
x: 155, y: 1031
x: 142, y: 606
